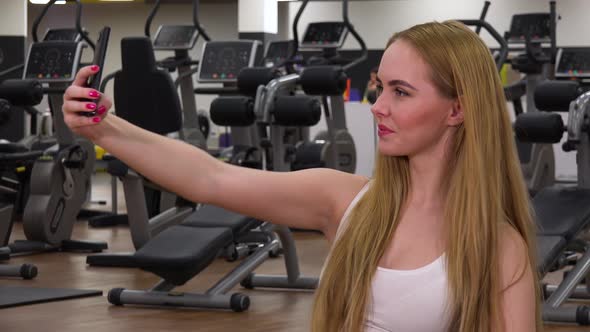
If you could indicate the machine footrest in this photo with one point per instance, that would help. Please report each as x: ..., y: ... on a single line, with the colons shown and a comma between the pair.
x: 236, y: 302
x: 272, y: 281
x: 77, y: 245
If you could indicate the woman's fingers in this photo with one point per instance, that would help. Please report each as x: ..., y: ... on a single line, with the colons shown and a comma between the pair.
x: 83, y: 75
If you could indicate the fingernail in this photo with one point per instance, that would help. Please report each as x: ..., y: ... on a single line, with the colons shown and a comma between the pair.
x: 90, y: 106
x: 93, y: 93
x: 96, y: 119
x: 94, y: 68
x: 101, y: 110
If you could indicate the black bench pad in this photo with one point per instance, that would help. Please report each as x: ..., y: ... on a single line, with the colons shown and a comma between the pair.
x: 213, y: 216
x: 179, y: 253
x: 562, y: 211
x: 548, y: 250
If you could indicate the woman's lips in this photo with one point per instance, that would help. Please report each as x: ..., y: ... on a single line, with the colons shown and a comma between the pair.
x: 384, y: 130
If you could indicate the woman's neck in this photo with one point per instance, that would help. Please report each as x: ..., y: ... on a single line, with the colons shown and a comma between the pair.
x: 428, y: 173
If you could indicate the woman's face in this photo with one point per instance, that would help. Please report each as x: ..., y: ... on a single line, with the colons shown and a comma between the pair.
x: 411, y: 114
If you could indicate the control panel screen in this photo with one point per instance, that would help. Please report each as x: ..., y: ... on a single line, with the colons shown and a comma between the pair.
x: 278, y: 51
x: 62, y: 34
x: 573, y: 62
x: 53, y: 61
x: 176, y: 37
x: 222, y: 61
x: 324, y: 35
x: 538, y: 26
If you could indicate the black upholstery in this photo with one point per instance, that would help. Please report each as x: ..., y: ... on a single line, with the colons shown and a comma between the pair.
x: 145, y: 95
x: 548, y: 250
x: 179, y: 252
x: 213, y: 216
x: 562, y: 211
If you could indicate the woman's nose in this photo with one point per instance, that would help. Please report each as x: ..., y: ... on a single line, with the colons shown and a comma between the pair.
x: 379, y: 109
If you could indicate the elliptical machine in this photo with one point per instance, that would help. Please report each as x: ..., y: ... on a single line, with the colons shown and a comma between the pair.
x: 333, y: 148
x: 18, y: 97
x: 60, y: 178
x: 537, y: 159
x: 181, y: 39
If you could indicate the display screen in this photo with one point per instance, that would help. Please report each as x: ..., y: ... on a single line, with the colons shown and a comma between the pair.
x: 176, y: 37
x: 537, y: 25
x: 278, y: 51
x: 573, y: 62
x: 324, y: 34
x: 222, y: 61
x: 52, y: 61
x: 62, y: 34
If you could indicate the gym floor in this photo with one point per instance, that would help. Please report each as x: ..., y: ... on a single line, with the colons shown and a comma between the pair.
x: 269, y: 310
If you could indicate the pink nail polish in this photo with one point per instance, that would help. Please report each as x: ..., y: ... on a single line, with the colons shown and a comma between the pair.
x: 90, y: 106
x: 94, y: 68
x: 93, y: 93
x: 96, y: 119
x: 101, y: 110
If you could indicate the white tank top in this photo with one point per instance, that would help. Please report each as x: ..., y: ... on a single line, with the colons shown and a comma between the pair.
x: 405, y: 300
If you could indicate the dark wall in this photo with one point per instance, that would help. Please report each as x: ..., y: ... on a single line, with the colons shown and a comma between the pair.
x: 12, y: 53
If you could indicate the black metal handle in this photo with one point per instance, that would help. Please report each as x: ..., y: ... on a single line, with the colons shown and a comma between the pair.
x: 79, y: 25
x: 552, y: 30
x: 150, y: 18
x: 359, y: 39
x: 495, y: 35
x: 484, y: 13
x: 39, y: 18
x: 294, y: 29
x: 196, y: 21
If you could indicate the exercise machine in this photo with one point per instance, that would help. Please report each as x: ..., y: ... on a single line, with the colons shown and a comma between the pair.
x: 60, y: 178
x: 19, y: 97
x: 562, y: 212
x: 533, y: 30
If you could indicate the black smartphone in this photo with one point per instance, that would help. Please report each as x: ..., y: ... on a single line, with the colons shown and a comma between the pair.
x: 100, y: 52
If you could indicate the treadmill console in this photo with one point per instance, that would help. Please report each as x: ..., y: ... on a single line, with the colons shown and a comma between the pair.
x: 175, y: 37
x: 324, y: 35
x: 62, y: 34
x: 573, y: 62
x: 53, y: 61
x: 221, y: 61
x: 538, y: 26
x: 277, y: 52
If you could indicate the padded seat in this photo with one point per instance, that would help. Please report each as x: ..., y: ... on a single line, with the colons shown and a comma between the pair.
x: 179, y: 252
x: 548, y: 250
x: 562, y: 211
x: 213, y: 216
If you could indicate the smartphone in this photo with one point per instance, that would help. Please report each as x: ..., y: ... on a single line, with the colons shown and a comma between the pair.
x: 100, y: 52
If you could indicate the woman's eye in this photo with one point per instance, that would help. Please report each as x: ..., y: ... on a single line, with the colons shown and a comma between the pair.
x: 400, y: 92
x: 379, y: 90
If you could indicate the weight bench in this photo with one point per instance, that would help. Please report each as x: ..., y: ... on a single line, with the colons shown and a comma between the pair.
x: 181, y: 252
x: 563, y: 213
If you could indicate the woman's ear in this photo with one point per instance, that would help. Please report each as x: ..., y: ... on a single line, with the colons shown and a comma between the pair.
x: 455, y: 117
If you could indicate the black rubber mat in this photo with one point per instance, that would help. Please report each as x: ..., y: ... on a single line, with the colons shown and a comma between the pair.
x: 17, y: 296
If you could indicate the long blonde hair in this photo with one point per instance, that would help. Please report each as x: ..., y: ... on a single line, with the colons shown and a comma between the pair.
x: 485, y: 188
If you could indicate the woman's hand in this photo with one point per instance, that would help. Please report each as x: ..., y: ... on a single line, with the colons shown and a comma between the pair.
x: 78, y: 100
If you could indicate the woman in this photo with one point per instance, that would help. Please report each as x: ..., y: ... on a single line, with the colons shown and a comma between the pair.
x: 441, y: 239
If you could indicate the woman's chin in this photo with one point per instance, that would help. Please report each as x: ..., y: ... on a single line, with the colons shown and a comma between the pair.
x: 391, y: 151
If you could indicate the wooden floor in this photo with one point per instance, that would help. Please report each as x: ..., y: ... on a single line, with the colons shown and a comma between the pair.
x: 269, y: 310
